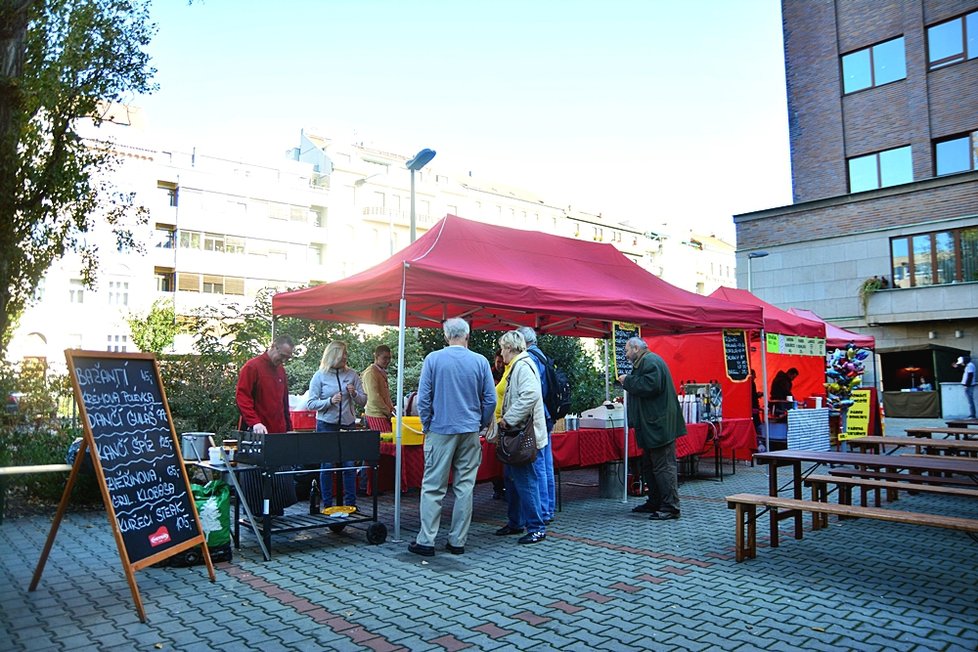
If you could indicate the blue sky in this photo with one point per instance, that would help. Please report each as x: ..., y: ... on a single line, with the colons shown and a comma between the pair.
x: 649, y: 111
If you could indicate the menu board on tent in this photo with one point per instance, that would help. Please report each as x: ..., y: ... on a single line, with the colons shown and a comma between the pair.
x: 735, y: 354
x: 780, y: 343
x: 623, y: 331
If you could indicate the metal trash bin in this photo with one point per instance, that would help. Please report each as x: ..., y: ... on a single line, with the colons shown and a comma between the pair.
x: 611, y: 480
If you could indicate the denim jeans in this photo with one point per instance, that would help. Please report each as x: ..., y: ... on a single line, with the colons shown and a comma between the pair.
x: 326, y: 477
x: 545, y: 475
x: 523, y: 497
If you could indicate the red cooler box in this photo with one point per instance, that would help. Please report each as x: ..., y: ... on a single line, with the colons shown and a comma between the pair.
x: 303, y: 419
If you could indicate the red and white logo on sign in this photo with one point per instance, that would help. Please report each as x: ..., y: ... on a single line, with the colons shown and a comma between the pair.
x: 159, y: 537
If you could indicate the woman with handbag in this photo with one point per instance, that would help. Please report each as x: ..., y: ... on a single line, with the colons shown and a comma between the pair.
x: 520, y: 433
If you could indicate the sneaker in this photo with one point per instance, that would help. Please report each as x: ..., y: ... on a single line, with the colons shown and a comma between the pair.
x: 424, y: 551
x: 532, y: 537
x: 644, y: 508
x: 506, y: 530
x: 663, y: 516
x: 455, y: 550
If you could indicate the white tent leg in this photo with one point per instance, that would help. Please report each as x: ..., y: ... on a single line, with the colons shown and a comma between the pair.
x: 397, y: 430
x: 624, y: 494
x: 766, y: 390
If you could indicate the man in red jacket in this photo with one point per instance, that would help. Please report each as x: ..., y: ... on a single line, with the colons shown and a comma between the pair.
x: 263, y: 399
x: 263, y: 390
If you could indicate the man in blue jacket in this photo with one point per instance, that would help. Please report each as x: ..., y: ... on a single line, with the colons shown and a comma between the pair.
x: 456, y: 400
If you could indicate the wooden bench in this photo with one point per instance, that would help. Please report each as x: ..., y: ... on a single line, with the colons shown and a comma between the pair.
x: 8, y: 471
x: 746, y: 513
x: 819, y: 485
x: 905, y: 477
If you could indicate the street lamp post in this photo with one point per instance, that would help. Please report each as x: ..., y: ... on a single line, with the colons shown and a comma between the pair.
x: 751, y: 256
x: 420, y: 160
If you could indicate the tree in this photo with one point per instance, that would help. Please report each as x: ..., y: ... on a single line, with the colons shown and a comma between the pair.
x: 155, y: 332
x: 62, y: 63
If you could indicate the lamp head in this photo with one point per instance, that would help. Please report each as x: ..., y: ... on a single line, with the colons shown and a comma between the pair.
x: 757, y: 254
x: 420, y: 159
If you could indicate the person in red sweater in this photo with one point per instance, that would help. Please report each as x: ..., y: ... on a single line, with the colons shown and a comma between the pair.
x: 262, y: 396
x: 263, y: 390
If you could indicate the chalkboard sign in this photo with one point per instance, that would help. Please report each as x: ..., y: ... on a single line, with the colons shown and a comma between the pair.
x: 623, y: 331
x: 735, y: 354
x: 137, y: 461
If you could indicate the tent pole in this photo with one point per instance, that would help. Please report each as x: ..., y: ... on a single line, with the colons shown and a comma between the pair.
x: 624, y: 493
x: 767, y: 390
x: 607, y: 380
x: 400, y: 413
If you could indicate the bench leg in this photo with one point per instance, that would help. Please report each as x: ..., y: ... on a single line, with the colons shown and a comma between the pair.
x: 819, y: 494
x: 746, y: 535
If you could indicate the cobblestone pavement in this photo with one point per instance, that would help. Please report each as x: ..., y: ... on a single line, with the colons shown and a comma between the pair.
x: 604, y: 579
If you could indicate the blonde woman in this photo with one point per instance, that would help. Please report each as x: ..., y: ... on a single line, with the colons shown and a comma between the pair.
x: 336, y: 393
x: 522, y: 400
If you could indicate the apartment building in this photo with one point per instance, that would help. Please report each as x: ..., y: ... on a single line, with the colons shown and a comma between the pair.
x: 883, y: 118
x: 221, y: 229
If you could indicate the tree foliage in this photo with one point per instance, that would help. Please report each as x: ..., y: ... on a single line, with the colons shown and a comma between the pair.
x: 155, y: 332
x: 62, y: 63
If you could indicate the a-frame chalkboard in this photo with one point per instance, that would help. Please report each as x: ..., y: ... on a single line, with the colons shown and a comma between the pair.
x: 137, y: 460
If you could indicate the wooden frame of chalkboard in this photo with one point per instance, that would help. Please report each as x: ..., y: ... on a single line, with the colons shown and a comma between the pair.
x: 621, y: 333
x: 134, y: 450
x: 735, y: 356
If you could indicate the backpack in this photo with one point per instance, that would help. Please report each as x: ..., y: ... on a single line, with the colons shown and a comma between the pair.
x: 558, y: 396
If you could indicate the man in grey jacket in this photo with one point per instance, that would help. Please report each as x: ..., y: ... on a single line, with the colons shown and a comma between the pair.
x: 456, y: 400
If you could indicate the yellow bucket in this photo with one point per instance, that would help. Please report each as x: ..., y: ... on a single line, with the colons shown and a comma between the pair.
x: 411, y: 434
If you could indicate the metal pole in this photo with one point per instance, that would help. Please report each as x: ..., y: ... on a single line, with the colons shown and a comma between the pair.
x: 624, y: 493
x: 412, y: 207
x: 607, y: 379
x: 400, y: 414
x: 767, y: 408
x: 749, y: 289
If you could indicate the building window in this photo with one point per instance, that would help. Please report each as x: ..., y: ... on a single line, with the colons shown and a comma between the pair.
x: 76, y: 291
x: 116, y: 343
x: 166, y: 236
x: 936, y: 258
x: 888, y: 168
x: 118, y: 293
x: 234, y: 245
x: 958, y: 154
x: 316, y: 253
x: 953, y: 41
x: 189, y: 240
x: 213, y: 242
x: 172, y: 191
x: 165, y: 279
x: 874, y: 66
x: 213, y: 284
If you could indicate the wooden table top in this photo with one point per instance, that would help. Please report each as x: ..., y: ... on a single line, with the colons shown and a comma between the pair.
x: 919, y: 442
x: 927, y: 432
x: 935, y: 463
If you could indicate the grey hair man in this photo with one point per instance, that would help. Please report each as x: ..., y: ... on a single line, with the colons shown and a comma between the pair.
x: 655, y: 413
x: 456, y: 399
x: 545, y: 456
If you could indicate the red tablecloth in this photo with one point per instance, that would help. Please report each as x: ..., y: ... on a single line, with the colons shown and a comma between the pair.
x: 575, y: 448
x: 737, y: 437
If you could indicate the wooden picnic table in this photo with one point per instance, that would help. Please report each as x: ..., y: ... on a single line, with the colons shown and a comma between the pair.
x: 928, y: 464
x: 874, y: 444
x: 956, y: 433
x: 961, y: 423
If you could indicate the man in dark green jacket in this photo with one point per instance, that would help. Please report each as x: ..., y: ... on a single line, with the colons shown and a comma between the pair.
x: 655, y: 413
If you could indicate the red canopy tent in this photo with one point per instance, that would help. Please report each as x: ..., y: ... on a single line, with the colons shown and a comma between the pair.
x: 835, y: 337
x: 498, y: 278
x: 700, y: 357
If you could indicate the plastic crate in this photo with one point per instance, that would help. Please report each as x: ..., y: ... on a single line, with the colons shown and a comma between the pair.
x: 303, y: 419
x: 411, y: 433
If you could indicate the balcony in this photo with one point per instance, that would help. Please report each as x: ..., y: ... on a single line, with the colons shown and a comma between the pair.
x: 923, y: 304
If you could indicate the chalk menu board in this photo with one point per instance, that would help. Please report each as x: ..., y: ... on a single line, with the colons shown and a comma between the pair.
x: 121, y: 400
x: 735, y: 354
x: 623, y: 331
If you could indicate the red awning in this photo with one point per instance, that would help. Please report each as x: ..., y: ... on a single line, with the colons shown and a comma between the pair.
x: 835, y: 337
x: 498, y: 278
x: 776, y: 320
